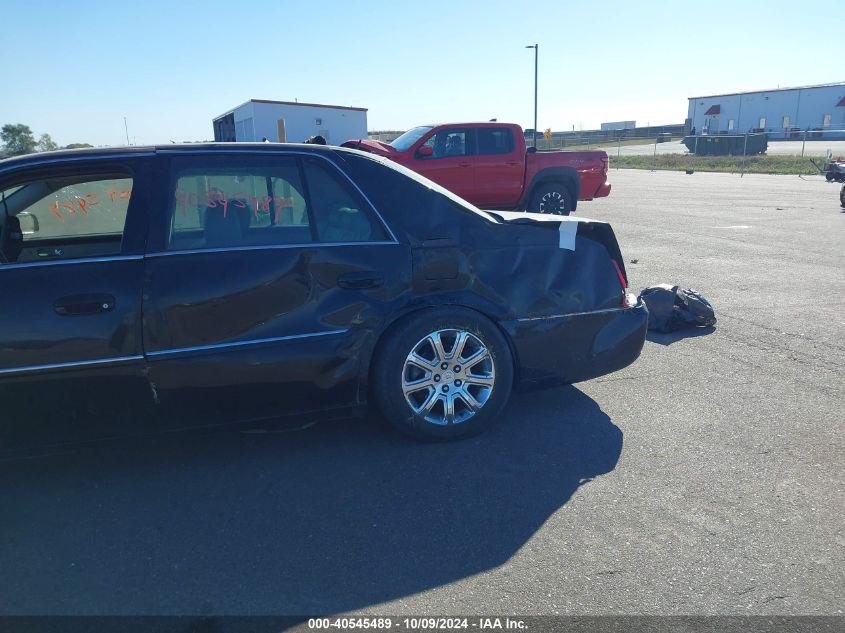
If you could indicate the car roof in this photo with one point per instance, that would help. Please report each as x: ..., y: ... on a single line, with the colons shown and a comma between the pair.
x: 474, y: 124
x: 146, y: 150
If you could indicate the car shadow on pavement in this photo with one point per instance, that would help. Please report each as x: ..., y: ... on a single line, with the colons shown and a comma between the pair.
x: 667, y: 338
x: 335, y: 517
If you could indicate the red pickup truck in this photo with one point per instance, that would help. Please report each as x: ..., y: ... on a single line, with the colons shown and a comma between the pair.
x: 489, y: 165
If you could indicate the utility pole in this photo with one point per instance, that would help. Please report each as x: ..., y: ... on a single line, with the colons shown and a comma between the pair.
x: 536, y: 48
x: 126, y: 127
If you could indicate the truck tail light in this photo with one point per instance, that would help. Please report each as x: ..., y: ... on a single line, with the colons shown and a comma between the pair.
x: 605, y: 165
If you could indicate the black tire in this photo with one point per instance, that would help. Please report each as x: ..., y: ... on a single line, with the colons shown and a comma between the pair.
x: 842, y: 197
x: 391, y: 371
x: 829, y: 176
x: 552, y: 197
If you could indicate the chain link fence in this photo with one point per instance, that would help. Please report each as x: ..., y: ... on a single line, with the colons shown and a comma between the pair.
x: 803, y: 152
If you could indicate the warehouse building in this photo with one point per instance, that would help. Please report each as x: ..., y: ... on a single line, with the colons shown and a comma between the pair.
x: 783, y: 113
x: 290, y: 122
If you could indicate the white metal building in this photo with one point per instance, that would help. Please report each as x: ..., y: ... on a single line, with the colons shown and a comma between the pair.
x: 783, y: 113
x: 618, y: 125
x: 290, y: 122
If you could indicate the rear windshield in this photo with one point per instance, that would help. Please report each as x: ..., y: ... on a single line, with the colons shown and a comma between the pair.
x: 429, y: 184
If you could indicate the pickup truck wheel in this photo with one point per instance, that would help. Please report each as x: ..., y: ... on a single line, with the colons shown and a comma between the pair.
x: 443, y: 374
x: 553, y: 197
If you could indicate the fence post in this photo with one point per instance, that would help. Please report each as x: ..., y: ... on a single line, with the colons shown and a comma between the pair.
x: 654, y: 159
x: 744, y: 148
x: 803, y: 143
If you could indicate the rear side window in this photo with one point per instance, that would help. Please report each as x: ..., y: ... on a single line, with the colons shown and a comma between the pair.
x: 223, y: 202
x: 493, y: 140
x: 340, y: 212
x: 230, y: 201
x: 65, y: 217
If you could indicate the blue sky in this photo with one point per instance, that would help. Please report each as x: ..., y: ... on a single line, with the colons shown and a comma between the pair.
x: 74, y: 70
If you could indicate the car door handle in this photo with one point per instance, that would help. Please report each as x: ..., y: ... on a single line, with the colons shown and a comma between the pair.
x: 83, y: 305
x: 360, y: 280
x: 513, y: 163
x: 465, y: 164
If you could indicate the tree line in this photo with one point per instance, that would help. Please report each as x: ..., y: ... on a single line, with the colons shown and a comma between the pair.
x: 18, y: 139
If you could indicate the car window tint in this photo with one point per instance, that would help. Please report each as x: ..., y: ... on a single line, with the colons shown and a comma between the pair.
x: 340, y: 212
x: 492, y: 140
x: 227, y: 205
x: 67, y: 216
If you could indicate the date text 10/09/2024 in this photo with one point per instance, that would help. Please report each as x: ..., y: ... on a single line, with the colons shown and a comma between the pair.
x: 417, y: 624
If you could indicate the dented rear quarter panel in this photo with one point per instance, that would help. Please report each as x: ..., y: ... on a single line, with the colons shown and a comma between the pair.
x: 548, y: 281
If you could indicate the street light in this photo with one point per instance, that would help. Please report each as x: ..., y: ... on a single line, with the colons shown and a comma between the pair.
x: 536, y: 48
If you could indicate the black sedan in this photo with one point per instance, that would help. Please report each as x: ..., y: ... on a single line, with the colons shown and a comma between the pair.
x: 150, y: 288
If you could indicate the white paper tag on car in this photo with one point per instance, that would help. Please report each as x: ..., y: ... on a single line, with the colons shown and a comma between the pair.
x: 568, y: 230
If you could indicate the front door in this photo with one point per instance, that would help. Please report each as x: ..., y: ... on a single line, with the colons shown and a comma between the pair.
x: 712, y: 125
x: 71, y: 274
x: 447, y: 158
x: 263, y: 287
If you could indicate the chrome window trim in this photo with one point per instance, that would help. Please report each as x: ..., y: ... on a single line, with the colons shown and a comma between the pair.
x: 384, y: 224
x: 79, y: 363
x: 572, y: 314
x: 226, y: 249
x: 287, y: 152
x: 260, y: 341
x: 26, y: 164
x: 73, y: 260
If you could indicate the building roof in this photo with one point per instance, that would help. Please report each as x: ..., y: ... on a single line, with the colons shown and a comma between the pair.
x: 292, y: 103
x: 751, y: 92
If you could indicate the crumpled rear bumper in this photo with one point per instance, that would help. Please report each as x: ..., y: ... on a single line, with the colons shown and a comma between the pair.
x: 574, y: 347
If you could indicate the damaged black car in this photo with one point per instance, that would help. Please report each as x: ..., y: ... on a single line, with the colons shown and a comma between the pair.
x: 181, y: 286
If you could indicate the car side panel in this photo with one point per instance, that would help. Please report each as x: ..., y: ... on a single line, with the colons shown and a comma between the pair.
x: 71, y: 353
x: 266, y: 332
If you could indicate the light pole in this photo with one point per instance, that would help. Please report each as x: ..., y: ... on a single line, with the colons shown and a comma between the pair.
x: 536, y: 48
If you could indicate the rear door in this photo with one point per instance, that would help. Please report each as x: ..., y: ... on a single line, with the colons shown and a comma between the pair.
x: 448, y: 160
x: 265, y: 279
x: 71, y: 275
x: 499, y: 171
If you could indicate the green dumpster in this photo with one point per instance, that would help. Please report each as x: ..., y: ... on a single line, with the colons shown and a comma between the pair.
x: 727, y: 144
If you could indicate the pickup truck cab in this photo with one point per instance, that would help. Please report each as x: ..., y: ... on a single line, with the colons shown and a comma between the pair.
x: 489, y: 165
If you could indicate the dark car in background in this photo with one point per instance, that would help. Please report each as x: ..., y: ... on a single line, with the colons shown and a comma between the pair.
x: 153, y: 288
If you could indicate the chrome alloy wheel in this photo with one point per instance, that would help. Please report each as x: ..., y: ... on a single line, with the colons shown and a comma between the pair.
x: 448, y: 376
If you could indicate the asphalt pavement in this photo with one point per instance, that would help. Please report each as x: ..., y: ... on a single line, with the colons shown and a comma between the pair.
x: 706, y: 478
